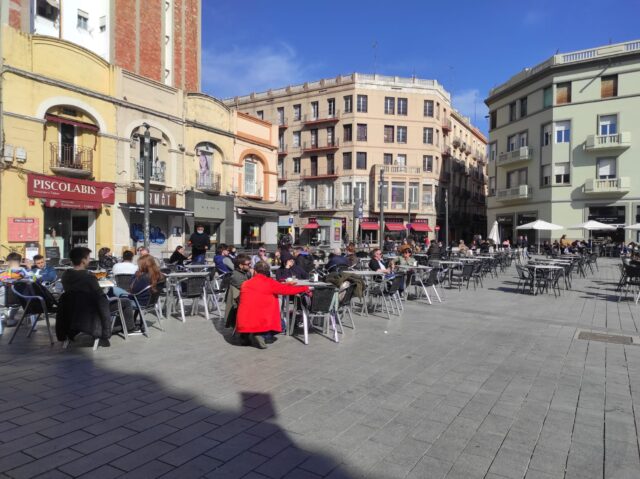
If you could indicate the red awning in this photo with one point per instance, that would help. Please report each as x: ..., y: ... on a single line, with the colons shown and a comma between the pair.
x: 394, y: 226
x: 421, y: 227
x: 369, y: 225
x: 72, y: 204
x: 310, y: 226
x: 66, y: 121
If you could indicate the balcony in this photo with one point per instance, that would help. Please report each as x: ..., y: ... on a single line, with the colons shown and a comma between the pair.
x: 282, y: 150
x: 252, y: 190
x: 608, y: 142
x: 404, y: 170
x: 446, y: 125
x: 524, y: 153
x: 158, y: 171
x: 314, y: 174
x: 71, y: 160
x: 445, y: 177
x: 209, y: 183
x: 456, y: 142
x: 480, y: 157
x: 522, y: 192
x: 320, y: 118
x: 315, y: 147
x: 447, y: 152
x: 612, y: 185
x: 282, y: 123
x: 321, y: 205
x: 282, y: 177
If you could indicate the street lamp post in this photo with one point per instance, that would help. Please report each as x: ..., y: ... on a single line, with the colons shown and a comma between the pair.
x: 446, y: 218
x: 146, y: 158
x: 381, y: 193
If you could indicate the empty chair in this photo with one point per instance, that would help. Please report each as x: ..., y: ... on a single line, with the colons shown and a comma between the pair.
x: 323, y: 305
x: 460, y: 276
x: 345, y: 295
x: 193, y: 288
x: 33, y: 299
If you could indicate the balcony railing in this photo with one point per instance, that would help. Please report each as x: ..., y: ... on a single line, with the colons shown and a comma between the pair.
x: 447, y: 151
x: 321, y: 205
x: 209, y: 182
x: 610, y: 185
x: 398, y: 169
x: 252, y: 189
x: 521, y: 192
x: 456, y: 142
x: 282, y: 149
x: 71, y: 160
x: 398, y: 205
x: 281, y: 122
x: 446, y: 124
x: 317, y: 146
x: 282, y: 176
x: 524, y: 153
x: 608, y: 142
x: 321, y: 117
x: 157, y: 173
x: 315, y: 174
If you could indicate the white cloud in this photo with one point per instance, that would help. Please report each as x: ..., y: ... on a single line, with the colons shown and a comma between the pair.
x: 244, y: 70
x: 470, y: 103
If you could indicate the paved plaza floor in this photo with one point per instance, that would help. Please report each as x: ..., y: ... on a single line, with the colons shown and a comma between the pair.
x: 488, y: 384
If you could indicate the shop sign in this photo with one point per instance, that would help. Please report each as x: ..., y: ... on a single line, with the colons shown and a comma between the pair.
x: 203, y: 208
x: 59, y: 188
x: 23, y: 229
x: 156, y: 198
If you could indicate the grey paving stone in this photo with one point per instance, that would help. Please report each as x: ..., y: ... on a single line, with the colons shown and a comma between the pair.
x: 44, y: 464
x: 147, y: 437
x: 94, y: 460
x: 197, y: 467
x: 150, y: 470
x: 239, y: 466
x: 133, y: 460
x: 103, y: 472
x: 53, y: 445
x: 103, y: 440
x: 189, y: 450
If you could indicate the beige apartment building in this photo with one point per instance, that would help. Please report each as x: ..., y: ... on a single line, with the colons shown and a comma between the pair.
x: 337, y: 136
x: 564, y: 143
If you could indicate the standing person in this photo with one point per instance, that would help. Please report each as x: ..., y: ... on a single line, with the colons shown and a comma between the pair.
x: 42, y: 271
x: 200, y: 244
x: 240, y: 274
x: 259, y: 310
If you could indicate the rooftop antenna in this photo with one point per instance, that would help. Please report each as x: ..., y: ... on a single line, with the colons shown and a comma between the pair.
x: 374, y: 46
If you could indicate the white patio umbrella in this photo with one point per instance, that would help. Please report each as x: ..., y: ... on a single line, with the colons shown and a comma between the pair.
x: 592, y: 225
x: 494, y: 234
x: 539, y: 225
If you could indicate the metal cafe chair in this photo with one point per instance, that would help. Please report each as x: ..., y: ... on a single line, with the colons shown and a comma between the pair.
x: 32, y: 304
x: 152, y: 306
x: 194, y: 288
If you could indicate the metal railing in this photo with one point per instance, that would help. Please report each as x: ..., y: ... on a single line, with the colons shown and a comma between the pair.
x: 252, y: 189
x: 321, y: 116
x: 209, y: 182
x: 71, y: 156
x: 282, y: 149
x: 413, y: 170
x: 317, y: 145
x: 157, y: 174
x: 315, y: 173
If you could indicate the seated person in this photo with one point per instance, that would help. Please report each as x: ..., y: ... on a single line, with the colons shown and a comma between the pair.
x: 434, y: 250
x: 336, y: 259
x: 290, y: 270
x: 406, y: 258
x: 377, y: 264
x: 261, y: 256
x: 105, y: 259
x: 303, y: 259
x: 42, y: 271
x: 127, y: 266
x: 178, y: 257
x: 148, y: 274
x: 12, y: 272
x: 80, y: 280
x: 223, y: 263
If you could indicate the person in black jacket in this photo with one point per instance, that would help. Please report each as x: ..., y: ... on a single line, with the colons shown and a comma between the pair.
x: 289, y: 270
x: 200, y: 243
x: 377, y: 264
x: 178, y: 257
x: 303, y: 259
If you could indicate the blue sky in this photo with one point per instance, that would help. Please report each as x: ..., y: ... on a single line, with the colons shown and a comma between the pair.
x: 469, y: 46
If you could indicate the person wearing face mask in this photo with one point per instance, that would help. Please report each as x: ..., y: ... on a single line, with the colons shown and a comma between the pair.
x: 200, y: 244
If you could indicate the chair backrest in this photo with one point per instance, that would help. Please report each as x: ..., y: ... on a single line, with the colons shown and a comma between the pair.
x: 93, y: 265
x: 467, y: 270
x: 432, y: 279
x: 396, y: 284
x: 224, y: 280
x: 346, y: 294
x: 27, y: 297
x: 192, y: 287
x: 321, y: 300
x: 124, y: 281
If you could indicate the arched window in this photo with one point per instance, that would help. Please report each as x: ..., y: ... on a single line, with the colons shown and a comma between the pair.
x: 251, y: 184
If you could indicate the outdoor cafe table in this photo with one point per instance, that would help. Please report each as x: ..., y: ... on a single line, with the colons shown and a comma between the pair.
x: 172, y: 281
x: 547, y: 267
x: 198, y: 266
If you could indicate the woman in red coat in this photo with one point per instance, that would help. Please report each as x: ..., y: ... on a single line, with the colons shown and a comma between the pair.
x: 259, y: 309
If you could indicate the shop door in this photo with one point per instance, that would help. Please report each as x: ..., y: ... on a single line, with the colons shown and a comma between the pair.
x: 83, y: 230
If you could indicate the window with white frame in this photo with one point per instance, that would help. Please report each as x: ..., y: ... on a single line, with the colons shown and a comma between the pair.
x: 360, y: 191
x: 493, y: 151
x: 516, y: 178
x: 348, y: 103
x: 398, y: 198
x: 403, y: 106
x: 329, y: 195
x: 561, y: 174
x: 389, y: 105
x: 389, y: 134
x: 402, y: 134
x: 414, y: 195
x: 427, y: 195
x: 250, y: 177
x: 563, y: 131
x: 401, y: 160
x: 296, y: 165
x: 523, y: 139
x: 331, y: 107
x: 606, y: 168
x: 428, y: 108
x: 427, y: 163
x: 283, y: 197
x: 346, y: 194
x: 296, y: 139
x: 546, y: 175
x: 313, y: 196
x: 546, y: 134
x: 361, y: 132
x: 363, y: 103
x: 427, y: 136
x: 297, y: 112
x: 608, y: 125
x: 314, y: 110
x: 83, y: 20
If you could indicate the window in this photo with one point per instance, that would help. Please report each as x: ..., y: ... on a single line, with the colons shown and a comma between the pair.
x: 46, y: 10
x: 389, y: 105
x: 362, y: 132
x: 547, y: 97
x: 492, y: 186
x: 403, y: 106
x: 387, y: 159
x: 346, y: 161
x: 511, y: 142
x: 346, y: 194
x: 389, y: 134
x: 523, y: 107
x: 83, y: 20
x: 331, y: 136
x: 427, y: 136
x: 523, y: 139
x: 314, y: 110
x: 250, y: 177
x: 331, y: 107
x: 493, y: 151
x: 383, y: 193
x: 512, y: 111
x: 561, y: 173
x: 414, y: 192
x: 281, y: 116
x: 283, y: 197
x: 348, y: 103
x: 563, y: 93
x: 516, y: 178
x: 296, y: 165
x: 428, y: 108
x: 606, y: 168
x: 427, y: 163
x: 398, y: 195
x: 297, y: 112
x: 427, y: 195
x: 493, y: 119
x: 363, y: 103
x: 331, y: 163
x: 329, y: 195
x: 609, y: 86
x: 546, y: 175
x: 361, y: 160
x: 347, y: 132
x: 313, y: 196
x: 546, y: 134
x: 360, y: 191
x: 296, y: 139
x: 563, y: 132
x: 314, y: 137
x: 608, y: 125
x: 401, y: 160
x: 260, y: 114
x: 402, y: 134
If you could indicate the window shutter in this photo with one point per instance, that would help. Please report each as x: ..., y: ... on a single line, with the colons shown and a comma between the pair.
x: 607, y: 168
x: 609, y: 86
x: 561, y: 169
x: 563, y: 93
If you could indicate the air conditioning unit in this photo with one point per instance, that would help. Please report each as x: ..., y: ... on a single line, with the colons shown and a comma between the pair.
x: 8, y: 153
x: 21, y: 155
